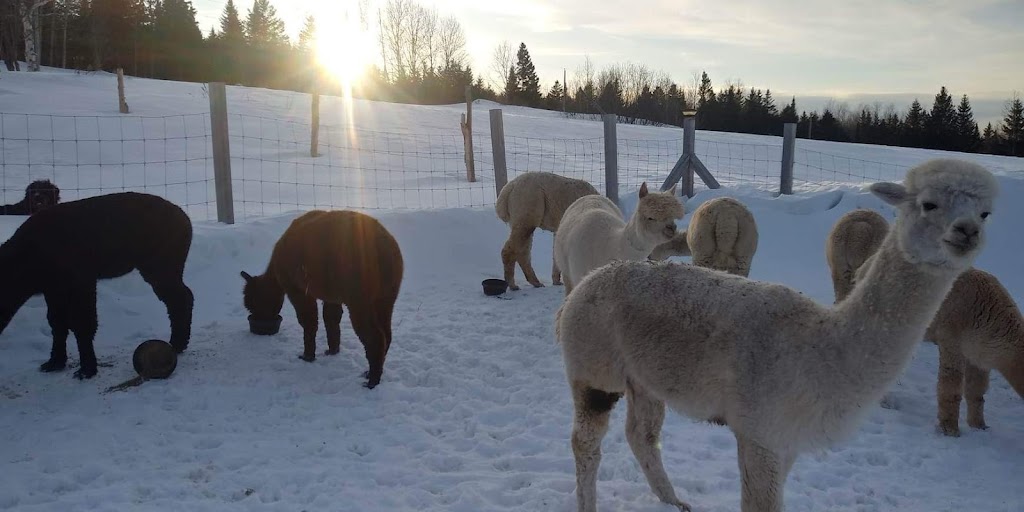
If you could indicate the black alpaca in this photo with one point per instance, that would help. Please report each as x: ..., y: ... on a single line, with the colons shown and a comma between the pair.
x: 63, y: 250
x: 39, y: 195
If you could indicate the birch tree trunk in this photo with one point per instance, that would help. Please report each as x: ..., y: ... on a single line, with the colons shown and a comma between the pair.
x: 29, y: 9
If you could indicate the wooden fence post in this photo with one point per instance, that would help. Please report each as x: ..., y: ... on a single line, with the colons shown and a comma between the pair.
x: 467, y: 135
x: 788, y: 156
x: 314, y: 128
x: 122, y: 105
x: 611, y: 158
x: 689, y: 141
x: 498, y: 149
x: 221, y: 153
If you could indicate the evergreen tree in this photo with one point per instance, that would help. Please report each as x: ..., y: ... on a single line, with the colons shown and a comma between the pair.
x: 1013, y: 127
x: 967, y: 134
x: 707, y: 104
x: 268, y: 46
x: 914, y: 125
x: 940, y: 128
x: 788, y: 114
x: 229, y: 47
x: 263, y: 28
x: 990, y: 140
x: 231, y: 28
x: 511, y: 86
x: 180, y: 40
x: 526, y: 78
x: 307, y: 37
x: 554, y: 99
x: 610, y: 100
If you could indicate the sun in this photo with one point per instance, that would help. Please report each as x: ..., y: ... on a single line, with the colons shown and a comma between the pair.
x: 342, y: 48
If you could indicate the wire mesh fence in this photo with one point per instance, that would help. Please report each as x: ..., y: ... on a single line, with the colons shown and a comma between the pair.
x: 94, y: 155
x: 272, y: 170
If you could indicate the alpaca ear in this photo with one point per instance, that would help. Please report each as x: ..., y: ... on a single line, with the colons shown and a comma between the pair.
x: 892, y: 193
x: 672, y: 191
x: 643, y: 190
x: 246, y: 276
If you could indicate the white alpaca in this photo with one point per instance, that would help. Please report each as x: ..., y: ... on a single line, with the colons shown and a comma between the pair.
x: 722, y: 235
x: 594, y: 232
x: 786, y: 374
x: 978, y: 328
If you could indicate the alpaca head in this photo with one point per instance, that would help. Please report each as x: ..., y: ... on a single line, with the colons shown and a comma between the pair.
x: 41, y: 194
x: 942, y: 206
x: 656, y: 214
x: 262, y: 296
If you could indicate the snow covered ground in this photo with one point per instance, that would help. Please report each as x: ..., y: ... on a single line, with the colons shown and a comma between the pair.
x: 473, y: 411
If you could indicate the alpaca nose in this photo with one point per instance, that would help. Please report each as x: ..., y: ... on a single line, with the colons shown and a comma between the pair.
x: 967, y: 229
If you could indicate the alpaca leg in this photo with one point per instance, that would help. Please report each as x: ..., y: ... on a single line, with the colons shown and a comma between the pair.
x: 372, y: 335
x: 975, y: 386
x: 556, y: 273
x: 177, y: 297
x: 305, y: 312
x: 951, y: 374
x: 763, y: 474
x: 590, y: 423
x: 644, y: 417
x: 508, y: 262
x: 57, y: 315
x: 385, y: 314
x: 332, y: 324
x: 83, y: 322
x: 524, y: 251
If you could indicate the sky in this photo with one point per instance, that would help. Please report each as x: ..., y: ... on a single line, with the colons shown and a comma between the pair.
x: 857, y: 51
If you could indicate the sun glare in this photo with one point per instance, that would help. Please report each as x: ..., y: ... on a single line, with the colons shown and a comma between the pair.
x: 343, y: 48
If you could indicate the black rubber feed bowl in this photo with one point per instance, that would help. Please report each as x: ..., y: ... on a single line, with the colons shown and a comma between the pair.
x: 155, y: 359
x: 494, y: 286
x: 264, y: 326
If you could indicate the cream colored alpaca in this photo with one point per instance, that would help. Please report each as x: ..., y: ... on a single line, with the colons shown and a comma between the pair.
x: 593, y: 232
x: 534, y: 200
x: 977, y: 329
x: 852, y: 240
x: 723, y: 236
x: 786, y: 374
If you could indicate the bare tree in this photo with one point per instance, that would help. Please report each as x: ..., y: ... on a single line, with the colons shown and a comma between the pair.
x: 408, y: 37
x: 451, y: 42
x: 393, y: 28
x: 502, y: 58
x: 29, y: 12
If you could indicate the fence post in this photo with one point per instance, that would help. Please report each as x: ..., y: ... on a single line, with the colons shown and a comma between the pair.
x: 314, y: 135
x: 788, y: 154
x: 467, y: 135
x: 221, y: 153
x: 611, y: 158
x: 689, y: 141
x: 122, y: 104
x: 498, y: 148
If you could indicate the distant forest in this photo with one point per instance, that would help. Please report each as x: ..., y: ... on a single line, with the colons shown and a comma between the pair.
x: 422, y: 59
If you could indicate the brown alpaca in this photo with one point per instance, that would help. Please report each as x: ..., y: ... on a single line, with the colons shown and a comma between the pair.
x: 977, y: 329
x: 534, y: 200
x: 341, y: 258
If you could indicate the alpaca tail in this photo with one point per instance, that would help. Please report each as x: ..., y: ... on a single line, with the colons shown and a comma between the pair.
x: 558, y: 323
x: 501, y: 206
x: 727, y: 232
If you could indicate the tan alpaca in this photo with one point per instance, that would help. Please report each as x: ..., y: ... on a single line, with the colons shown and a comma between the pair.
x: 977, y: 329
x: 852, y: 240
x: 534, y: 200
x: 786, y: 374
x: 723, y: 236
x: 593, y: 232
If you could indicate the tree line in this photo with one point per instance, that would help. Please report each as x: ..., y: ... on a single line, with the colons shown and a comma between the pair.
x: 422, y: 59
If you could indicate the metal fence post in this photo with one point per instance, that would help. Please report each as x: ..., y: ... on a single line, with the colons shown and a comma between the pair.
x: 498, y: 149
x: 221, y: 153
x: 611, y: 158
x: 788, y: 154
x: 689, y: 141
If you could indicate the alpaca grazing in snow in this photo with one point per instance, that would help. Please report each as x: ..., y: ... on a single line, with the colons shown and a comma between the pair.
x: 39, y: 195
x: 594, y: 232
x: 786, y: 374
x: 63, y: 250
x: 534, y: 200
x: 722, y: 235
x: 343, y: 258
x: 977, y: 329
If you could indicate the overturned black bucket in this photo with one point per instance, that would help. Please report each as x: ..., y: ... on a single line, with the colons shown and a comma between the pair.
x: 494, y: 286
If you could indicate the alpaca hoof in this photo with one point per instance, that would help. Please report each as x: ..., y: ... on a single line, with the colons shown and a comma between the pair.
x: 556, y: 283
x: 977, y: 425
x: 366, y: 374
x: 83, y: 373
x: 308, y: 359
x: 52, y: 366
x: 513, y: 287
x: 179, y: 347
x: 680, y: 504
x: 369, y: 385
x: 538, y: 284
x: 332, y: 351
x: 950, y: 430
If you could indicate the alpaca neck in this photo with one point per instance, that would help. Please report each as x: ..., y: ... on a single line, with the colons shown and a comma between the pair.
x: 888, y: 312
x: 1013, y: 370
x: 633, y: 244
x: 17, y: 288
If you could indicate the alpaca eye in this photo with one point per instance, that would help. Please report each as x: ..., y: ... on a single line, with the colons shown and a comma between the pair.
x: 984, y: 215
x: 650, y: 218
x: 929, y: 206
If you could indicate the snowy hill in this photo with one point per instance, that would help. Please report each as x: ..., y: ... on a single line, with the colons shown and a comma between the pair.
x: 473, y: 411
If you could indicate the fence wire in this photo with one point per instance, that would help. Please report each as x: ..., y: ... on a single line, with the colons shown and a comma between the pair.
x: 815, y: 167
x: 582, y: 159
x: 733, y: 163
x: 87, y: 156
